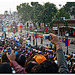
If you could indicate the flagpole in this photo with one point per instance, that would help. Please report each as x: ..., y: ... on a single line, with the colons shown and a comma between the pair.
x: 67, y: 45
x: 67, y: 34
x: 36, y: 38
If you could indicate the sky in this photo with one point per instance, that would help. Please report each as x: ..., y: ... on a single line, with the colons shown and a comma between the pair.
x: 11, y: 4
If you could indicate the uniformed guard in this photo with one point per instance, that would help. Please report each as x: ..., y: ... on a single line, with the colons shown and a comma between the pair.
x: 41, y: 40
x: 33, y: 40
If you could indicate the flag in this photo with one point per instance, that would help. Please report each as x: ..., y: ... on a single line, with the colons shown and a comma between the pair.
x: 67, y: 42
x: 1, y: 29
x: 14, y: 31
x: 20, y: 26
x: 73, y: 32
x: 37, y: 36
x: 31, y: 27
x: 45, y: 29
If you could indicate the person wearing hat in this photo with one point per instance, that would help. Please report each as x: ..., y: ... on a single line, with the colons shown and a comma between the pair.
x: 39, y: 58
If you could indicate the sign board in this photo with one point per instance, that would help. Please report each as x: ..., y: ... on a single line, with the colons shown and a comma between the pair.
x: 55, y: 28
x: 13, y: 27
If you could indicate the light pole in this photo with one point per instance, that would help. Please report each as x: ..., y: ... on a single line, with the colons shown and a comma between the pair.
x: 21, y: 28
x: 27, y: 29
x: 67, y: 34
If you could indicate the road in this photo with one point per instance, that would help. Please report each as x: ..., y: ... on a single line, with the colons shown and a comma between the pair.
x: 71, y: 48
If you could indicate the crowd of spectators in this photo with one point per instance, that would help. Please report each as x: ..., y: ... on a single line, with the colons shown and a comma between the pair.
x: 17, y: 56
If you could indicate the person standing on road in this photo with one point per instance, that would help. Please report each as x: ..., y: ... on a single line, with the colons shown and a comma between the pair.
x: 51, y: 45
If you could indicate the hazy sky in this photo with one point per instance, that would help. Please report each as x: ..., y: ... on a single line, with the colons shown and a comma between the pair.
x: 11, y: 4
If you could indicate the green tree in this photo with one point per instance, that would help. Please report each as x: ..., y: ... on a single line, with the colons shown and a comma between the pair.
x: 70, y: 8
x: 48, y: 12
x: 24, y: 11
x: 62, y: 13
x: 43, y: 13
x: 36, y: 12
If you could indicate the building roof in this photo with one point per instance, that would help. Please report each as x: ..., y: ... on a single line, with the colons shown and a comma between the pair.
x: 70, y: 21
x: 67, y: 20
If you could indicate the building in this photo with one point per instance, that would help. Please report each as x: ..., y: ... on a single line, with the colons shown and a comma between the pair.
x: 63, y: 28
x: 14, y: 26
x: 19, y: 28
